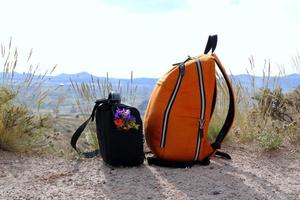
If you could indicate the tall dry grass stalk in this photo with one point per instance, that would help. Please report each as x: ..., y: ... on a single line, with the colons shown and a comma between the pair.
x: 296, y: 61
x: 264, y: 115
x: 86, y: 93
x: 19, y: 125
x: 29, y: 85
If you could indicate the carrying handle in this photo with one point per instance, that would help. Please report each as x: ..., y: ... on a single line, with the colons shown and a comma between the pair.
x: 231, y: 110
x: 81, y: 128
x: 211, y: 44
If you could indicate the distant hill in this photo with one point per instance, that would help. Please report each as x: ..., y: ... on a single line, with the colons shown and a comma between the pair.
x: 287, y: 82
x: 60, y: 88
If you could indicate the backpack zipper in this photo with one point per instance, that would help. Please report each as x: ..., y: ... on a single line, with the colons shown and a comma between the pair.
x: 170, y: 104
x: 202, y: 115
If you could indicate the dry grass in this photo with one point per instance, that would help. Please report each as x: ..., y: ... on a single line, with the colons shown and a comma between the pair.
x: 273, y: 119
x: 86, y: 93
x: 265, y: 116
x: 20, y: 127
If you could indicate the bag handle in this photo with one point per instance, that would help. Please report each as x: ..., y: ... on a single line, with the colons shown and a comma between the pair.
x: 81, y: 128
x: 231, y: 110
x: 211, y: 44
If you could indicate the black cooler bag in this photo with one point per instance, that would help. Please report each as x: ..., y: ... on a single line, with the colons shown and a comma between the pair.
x: 119, y: 132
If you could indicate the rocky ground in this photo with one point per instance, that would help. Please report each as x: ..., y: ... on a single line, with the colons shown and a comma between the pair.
x: 249, y: 175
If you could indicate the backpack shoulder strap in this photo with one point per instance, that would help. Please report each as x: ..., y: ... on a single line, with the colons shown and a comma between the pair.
x: 81, y: 128
x: 231, y: 110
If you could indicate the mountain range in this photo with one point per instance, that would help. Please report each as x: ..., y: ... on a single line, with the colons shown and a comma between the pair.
x: 287, y: 82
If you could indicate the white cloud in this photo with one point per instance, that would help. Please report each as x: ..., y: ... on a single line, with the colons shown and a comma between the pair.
x: 96, y: 37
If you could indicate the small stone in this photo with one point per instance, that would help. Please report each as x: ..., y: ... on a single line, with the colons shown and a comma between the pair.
x: 79, y: 184
x: 216, y: 193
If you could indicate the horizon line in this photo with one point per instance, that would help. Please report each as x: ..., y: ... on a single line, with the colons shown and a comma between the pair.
x: 141, y: 77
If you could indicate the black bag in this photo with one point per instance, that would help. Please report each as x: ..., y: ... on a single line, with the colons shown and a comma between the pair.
x: 119, y: 132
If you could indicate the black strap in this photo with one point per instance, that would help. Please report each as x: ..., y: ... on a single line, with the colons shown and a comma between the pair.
x: 81, y: 128
x: 214, y: 101
x: 219, y: 154
x: 231, y: 110
x: 187, y: 59
x: 211, y: 44
x: 176, y: 164
x: 223, y: 155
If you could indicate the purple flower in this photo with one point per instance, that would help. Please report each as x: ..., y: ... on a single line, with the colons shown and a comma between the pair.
x: 126, y: 114
x: 131, y: 118
x: 119, y: 113
x: 128, y: 120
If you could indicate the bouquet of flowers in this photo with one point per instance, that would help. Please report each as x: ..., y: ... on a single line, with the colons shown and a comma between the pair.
x: 124, y: 120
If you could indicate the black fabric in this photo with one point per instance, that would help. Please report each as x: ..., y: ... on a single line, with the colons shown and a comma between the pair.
x: 188, y: 58
x: 211, y: 44
x: 78, y: 132
x: 223, y: 155
x: 117, y: 147
x: 214, y: 101
x: 230, y: 115
x: 91, y: 154
x: 176, y: 164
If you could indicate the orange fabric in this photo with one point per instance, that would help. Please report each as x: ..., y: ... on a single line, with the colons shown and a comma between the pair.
x: 183, y: 123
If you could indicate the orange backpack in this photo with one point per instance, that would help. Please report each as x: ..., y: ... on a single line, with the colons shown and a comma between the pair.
x: 179, y: 111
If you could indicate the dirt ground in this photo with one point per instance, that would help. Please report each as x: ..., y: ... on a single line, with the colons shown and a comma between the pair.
x: 249, y: 175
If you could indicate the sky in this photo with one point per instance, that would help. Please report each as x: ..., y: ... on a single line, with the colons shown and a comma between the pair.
x: 148, y: 36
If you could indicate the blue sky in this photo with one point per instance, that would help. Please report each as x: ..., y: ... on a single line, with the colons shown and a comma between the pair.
x: 147, y: 36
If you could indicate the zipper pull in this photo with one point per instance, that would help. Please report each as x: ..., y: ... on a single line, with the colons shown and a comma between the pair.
x: 201, y: 121
x: 181, y: 69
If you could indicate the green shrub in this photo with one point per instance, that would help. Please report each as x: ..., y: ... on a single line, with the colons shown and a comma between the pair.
x: 270, y: 140
x: 266, y: 116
